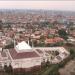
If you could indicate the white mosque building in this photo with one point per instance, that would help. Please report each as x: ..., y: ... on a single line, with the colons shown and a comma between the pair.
x: 24, y: 56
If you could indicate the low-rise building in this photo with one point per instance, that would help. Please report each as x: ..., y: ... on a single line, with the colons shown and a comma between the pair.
x: 53, y: 40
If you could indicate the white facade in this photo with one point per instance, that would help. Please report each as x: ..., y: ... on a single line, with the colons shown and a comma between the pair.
x: 26, y: 63
x: 63, y: 53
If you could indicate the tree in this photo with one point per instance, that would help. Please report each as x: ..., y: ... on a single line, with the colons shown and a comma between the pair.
x: 0, y: 24
x: 8, y: 26
x: 41, y: 44
x: 47, y: 63
x: 62, y: 33
x: 9, y: 46
x: 59, y: 43
x: 56, y: 53
x: 72, y: 53
x: 35, y: 43
x: 10, y: 68
x: 71, y: 24
x: 55, y: 22
x: 5, y: 68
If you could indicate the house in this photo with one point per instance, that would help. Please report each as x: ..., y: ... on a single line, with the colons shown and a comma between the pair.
x: 71, y: 40
x: 53, y: 40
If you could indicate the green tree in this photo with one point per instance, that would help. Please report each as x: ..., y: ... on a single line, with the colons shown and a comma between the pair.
x: 1, y: 24
x: 5, y: 68
x: 10, y: 68
x: 62, y: 33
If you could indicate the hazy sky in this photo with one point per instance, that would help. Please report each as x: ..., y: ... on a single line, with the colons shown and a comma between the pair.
x: 52, y: 5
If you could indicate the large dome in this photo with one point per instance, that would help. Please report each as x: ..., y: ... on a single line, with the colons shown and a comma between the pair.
x: 23, y: 46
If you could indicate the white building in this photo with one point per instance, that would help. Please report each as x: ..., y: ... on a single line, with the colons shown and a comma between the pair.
x: 23, y: 56
x: 48, y: 54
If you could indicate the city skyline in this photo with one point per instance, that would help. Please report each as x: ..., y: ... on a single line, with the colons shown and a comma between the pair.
x: 46, y: 5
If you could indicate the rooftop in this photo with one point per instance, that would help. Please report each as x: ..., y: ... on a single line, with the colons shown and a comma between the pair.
x: 22, y: 55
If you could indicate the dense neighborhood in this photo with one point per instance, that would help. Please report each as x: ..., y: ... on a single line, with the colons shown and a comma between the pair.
x: 35, y: 41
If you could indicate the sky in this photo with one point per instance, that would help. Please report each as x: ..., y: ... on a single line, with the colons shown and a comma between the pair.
x: 50, y: 5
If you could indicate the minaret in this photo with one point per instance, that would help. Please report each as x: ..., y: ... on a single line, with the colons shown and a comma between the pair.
x: 14, y: 42
x: 32, y: 43
x: 28, y: 42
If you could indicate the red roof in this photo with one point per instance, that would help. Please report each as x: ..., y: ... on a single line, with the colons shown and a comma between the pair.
x: 58, y: 39
x: 21, y: 55
x: 54, y: 40
x: 38, y: 50
x: 49, y: 40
